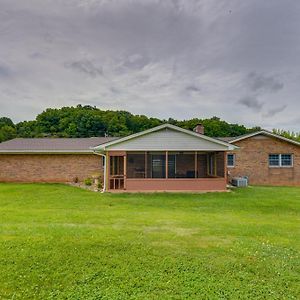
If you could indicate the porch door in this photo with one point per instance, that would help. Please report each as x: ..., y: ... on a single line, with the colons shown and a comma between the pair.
x: 158, y: 165
x: 116, y: 173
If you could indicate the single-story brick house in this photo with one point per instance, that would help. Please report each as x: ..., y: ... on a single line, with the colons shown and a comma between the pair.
x: 163, y: 158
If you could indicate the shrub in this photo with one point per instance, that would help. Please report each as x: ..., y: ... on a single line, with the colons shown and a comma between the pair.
x: 88, y: 181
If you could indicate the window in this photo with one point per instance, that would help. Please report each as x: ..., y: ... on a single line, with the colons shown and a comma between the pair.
x: 280, y: 160
x: 230, y: 160
x: 286, y: 160
x: 274, y: 160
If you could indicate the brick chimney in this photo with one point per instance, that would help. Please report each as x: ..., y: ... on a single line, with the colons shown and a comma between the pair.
x: 199, y: 129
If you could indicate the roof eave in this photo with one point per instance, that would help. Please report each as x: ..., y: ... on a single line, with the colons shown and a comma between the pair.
x: 46, y: 151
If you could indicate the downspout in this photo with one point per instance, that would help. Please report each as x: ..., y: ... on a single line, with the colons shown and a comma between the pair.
x: 104, y: 171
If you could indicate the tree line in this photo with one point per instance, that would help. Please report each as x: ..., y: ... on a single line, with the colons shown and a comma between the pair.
x: 88, y: 121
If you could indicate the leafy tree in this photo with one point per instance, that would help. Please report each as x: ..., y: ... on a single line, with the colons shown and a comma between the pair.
x: 28, y: 129
x: 6, y: 121
x: 288, y: 134
x: 7, y: 132
x: 7, y: 129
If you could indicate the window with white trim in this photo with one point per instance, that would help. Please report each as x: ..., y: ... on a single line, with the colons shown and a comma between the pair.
x: 230, y: 160
x: 280, y: 160
x: 286, y: 160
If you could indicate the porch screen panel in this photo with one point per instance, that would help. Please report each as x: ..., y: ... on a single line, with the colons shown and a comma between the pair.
x: 116, y: 165
x: 220, y: 164
x: 136, y: 165
x: 201, y: 165
x: 212, y: 164
x: 171, y: 165
x: 181, y: 165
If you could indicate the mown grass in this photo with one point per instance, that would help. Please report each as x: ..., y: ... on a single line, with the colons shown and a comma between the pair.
x: 60, y: 242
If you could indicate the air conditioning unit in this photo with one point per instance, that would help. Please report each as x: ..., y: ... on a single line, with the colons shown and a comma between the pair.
x: 240, y: 181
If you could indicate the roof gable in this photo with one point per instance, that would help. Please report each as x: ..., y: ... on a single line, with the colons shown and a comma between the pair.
x: 166, y: 137
x: 265, y: 133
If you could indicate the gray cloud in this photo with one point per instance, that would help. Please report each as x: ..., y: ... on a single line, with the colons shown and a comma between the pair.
x: 192, y: 88
x: 171, y: 58
x: 259, y: 86
x: 274, y: 111
x: 135, y: 61
x: 251, y: 102
x: 259, y: 82
x: 5, y: 71
x: 85, y: 66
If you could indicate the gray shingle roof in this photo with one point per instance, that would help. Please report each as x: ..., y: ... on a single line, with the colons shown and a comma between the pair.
x: 53, y: 144
x: 226, y: 138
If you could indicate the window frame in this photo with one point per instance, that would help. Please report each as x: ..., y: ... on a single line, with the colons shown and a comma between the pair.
x: 233, y: 165
x: 280, y: 160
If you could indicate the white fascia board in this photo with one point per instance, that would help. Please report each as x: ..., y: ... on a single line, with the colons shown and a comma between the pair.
x: 172, y: 150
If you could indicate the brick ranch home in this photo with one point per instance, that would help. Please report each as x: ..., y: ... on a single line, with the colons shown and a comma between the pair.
x: 163, y: 158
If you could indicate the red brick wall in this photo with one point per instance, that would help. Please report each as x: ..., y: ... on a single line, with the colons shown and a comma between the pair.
x: 182, y: 184
x: 48, y: 167
x: 252, y: 160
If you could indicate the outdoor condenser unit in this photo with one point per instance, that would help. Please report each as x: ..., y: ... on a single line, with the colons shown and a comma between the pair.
x: 240, y: 181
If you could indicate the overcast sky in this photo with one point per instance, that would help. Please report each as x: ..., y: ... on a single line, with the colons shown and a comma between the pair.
x: 239, y: 60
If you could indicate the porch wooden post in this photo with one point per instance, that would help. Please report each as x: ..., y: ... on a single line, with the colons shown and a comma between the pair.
x: 215, y: 164
x: 225, y: 165
x: 167, y: 165
x: 107, y: 171
x: 196, y: 164
x: 146, y: 164
x: 207, y: 164
x: 125, y: 170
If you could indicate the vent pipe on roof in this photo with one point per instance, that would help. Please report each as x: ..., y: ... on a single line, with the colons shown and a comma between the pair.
x: 199, y: 129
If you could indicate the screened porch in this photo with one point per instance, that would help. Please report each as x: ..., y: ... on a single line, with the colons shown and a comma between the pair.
x: 172, y: 164
x: 166, y: 170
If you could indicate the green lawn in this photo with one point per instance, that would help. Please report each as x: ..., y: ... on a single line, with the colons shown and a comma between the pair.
x: 61, y: 242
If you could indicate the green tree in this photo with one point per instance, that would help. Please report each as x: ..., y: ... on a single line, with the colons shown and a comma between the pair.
x: 288, y: 134
x: 7, y: 133
x: 6, y: 121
